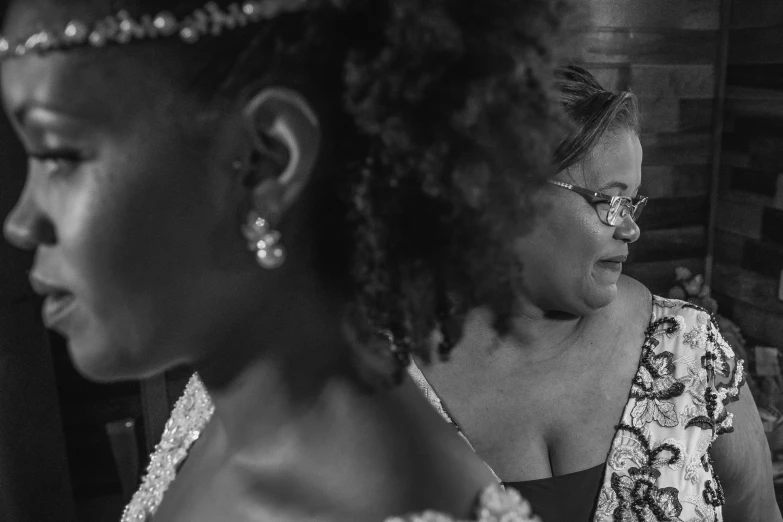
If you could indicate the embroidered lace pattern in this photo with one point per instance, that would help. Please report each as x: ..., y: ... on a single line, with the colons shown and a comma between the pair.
x: 659, y: 467
x: 190, y: 416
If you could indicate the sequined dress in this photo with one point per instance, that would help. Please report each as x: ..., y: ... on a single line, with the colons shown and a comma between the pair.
x: 190, y: 416
x: 659, y: 467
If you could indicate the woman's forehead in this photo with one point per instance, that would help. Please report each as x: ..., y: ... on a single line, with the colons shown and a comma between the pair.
x: 616, y: 157
x: 109, y: 86
x: 55, y: 78
x: 75, y: 83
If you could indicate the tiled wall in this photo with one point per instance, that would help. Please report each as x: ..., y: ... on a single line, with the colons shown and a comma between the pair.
x: 749, y: 243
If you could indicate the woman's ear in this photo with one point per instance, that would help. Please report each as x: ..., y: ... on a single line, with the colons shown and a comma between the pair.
x: 284, y: 131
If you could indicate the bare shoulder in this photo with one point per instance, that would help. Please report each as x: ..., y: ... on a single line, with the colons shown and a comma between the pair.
x: 634, y: 302
x: 623, y: 324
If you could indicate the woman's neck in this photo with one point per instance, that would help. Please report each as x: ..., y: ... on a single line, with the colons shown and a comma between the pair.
x: 272, y: 369
x: 534, y: 332
x: 304, y: 422
x: 542, y: 334
x: 264, y: 405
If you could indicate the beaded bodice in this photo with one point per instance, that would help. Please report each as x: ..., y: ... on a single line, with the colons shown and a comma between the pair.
x: 659, y: 466
x: 190, y: 416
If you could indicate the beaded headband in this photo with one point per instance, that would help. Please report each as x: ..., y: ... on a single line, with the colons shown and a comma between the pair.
x: 121, y: 28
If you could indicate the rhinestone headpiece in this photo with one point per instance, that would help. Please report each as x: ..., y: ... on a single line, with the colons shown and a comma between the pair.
x: 121, y: 28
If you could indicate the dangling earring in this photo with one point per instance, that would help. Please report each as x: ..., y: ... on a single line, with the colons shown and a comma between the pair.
x: 261, y: 238
x: 264, y: 241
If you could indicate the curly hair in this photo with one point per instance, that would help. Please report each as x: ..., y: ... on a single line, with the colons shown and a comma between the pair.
x: 442, y: 120
x: 592, y: 111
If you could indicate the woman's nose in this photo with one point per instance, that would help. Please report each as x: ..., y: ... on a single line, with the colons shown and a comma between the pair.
x: 26, y: 226
x: 628, y: 231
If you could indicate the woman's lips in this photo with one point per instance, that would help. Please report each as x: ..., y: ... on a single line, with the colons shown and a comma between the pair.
x: 58, y: 301
x: 56, y: 307
x: 613, y: 264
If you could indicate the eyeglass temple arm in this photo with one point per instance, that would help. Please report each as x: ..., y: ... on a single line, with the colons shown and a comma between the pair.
x: 591, y: 196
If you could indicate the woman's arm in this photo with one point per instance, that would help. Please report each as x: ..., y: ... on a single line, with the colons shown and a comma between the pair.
x: 743, y: 465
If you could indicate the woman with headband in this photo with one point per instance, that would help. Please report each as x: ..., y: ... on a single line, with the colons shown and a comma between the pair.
x: 270, y: 192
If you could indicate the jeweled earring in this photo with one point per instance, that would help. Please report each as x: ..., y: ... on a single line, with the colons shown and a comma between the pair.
x: 264, y: 241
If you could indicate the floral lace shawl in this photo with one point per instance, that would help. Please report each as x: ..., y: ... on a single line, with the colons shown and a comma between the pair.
x: 659, y: 467
x: 190, y: 416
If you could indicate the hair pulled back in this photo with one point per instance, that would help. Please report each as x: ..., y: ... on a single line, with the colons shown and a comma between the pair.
x: 593, y: 111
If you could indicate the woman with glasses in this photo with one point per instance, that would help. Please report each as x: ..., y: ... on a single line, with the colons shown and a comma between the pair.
x: 602, y: 402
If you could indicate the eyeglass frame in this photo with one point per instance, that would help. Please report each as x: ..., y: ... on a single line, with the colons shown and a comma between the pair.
x: 615, y: 202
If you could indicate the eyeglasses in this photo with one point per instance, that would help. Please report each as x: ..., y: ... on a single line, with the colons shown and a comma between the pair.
x: 612, y: 210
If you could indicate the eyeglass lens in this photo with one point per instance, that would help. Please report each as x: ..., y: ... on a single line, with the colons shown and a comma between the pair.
x: 620, y: 210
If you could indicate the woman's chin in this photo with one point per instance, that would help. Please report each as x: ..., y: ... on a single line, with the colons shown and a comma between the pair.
x: 100, y: 363
x: 607, y: 274
x: 601, y: 295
